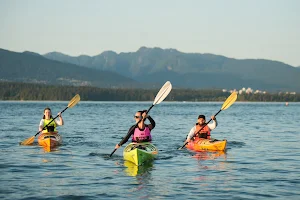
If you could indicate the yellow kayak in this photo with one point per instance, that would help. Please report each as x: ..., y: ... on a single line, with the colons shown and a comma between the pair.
x: 49, y: 140
x: 139, y: 153
x: 200, y: 144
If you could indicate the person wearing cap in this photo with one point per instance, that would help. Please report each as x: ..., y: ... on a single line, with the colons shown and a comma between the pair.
x: 201, y: 129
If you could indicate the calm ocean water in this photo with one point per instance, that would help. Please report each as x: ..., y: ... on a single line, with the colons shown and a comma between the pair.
x: 262, y: 160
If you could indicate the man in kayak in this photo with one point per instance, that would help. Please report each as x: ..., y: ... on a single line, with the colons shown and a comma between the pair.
x: 48, y: 118
x: 201, y: 129
x: 140, y: 132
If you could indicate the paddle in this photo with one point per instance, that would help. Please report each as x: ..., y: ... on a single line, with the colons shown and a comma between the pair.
x: 72, y: 103
x: 229, y: 101
x: 161, y: 95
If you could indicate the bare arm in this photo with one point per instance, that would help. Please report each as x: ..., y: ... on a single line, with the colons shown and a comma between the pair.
x: 59, y: 122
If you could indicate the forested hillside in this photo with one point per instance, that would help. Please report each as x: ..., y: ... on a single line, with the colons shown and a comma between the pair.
x: 28, y: 91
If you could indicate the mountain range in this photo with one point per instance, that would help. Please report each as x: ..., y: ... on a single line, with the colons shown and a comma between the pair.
x: 34, y: 68
x: 150, y: 67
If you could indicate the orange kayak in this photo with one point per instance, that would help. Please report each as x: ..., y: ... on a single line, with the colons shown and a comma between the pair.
x: 200, y: 144
x: 49, y: 140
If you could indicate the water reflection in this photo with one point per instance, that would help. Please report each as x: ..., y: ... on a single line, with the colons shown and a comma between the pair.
x: 209, y: 155
x: 134, y: 170
x: 210, y: 160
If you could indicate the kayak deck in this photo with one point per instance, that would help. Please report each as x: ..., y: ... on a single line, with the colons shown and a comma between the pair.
x: 139, y: 153
x: 49, y: 140
x: 200, y: 144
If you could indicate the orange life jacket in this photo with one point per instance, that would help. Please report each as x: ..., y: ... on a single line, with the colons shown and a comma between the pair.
x: 204, y: 133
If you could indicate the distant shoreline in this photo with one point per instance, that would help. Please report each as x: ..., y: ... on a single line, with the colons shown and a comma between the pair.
x: 13, y: 91
x: 95, y: 101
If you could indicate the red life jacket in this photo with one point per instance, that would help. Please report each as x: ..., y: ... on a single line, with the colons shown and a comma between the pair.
x: 141, y: 135
x: 204, y: 133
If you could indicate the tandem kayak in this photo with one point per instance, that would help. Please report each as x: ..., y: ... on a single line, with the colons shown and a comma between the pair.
x: 49, y: 140
x: 200, y: 144
x: 139, y: 153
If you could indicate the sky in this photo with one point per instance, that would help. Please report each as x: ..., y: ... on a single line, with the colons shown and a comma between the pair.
x: 241, y: 29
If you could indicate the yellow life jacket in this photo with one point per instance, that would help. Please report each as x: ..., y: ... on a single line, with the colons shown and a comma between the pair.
x: 51, y: 127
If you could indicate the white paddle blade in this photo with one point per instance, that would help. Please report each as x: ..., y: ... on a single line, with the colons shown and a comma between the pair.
x: 163, y: 93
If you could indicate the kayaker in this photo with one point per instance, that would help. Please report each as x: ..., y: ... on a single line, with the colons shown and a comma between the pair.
x: 205, y: 131
x: 48, y: 118
x: 142, y: 132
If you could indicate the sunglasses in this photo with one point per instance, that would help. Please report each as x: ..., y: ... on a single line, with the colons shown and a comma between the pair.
x: 137, y: 117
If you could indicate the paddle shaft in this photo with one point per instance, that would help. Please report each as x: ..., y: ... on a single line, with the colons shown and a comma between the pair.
x: 51, y: 121
x: 131, y: 130
x: 201, y: 128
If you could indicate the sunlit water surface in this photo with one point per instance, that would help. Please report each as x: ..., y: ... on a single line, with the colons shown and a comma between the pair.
x: 262, y: 160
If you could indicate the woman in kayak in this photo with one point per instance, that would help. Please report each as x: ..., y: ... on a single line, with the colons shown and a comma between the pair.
x: 203, y: 127
x: 48, y: 118
x: 140, y: 132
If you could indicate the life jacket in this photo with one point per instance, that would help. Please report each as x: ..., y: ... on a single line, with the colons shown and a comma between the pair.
x: 51, y: 127
x: 141, y: 135
x: 204, y: 133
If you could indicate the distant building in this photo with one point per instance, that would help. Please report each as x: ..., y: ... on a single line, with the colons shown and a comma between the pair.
x: 251, y: 91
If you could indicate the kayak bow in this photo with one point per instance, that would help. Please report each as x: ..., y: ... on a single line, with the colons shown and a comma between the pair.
x: 49, y: 140
x: 139, y: 153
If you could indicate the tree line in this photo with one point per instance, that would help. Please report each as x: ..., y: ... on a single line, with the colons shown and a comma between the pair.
x: 40, y: 92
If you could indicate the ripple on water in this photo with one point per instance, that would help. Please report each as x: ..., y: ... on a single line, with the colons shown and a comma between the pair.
x: 261, y: 161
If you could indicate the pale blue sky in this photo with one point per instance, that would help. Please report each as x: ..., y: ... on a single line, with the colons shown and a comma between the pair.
x: 268, y: 29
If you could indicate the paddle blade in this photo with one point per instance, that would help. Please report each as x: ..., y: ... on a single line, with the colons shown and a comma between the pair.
x: 229, y: 101
x: 74, y: 101
x: 163, y: 93
x: 28, y: 141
